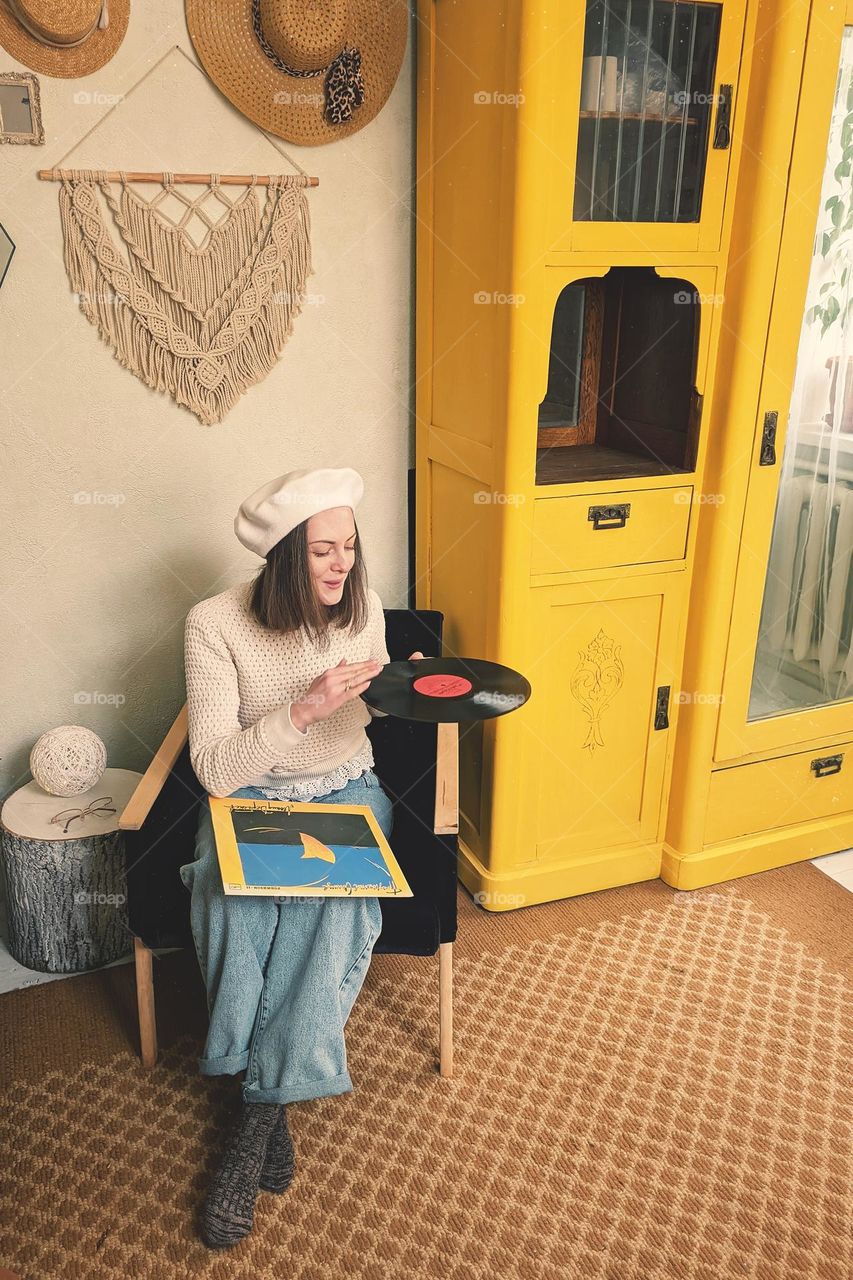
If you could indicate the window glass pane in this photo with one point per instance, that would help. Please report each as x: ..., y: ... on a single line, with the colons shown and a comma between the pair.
x: 805, y: 643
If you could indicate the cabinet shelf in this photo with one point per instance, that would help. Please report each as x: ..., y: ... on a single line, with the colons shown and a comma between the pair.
x: 582, y: 462
x: 654, y: 117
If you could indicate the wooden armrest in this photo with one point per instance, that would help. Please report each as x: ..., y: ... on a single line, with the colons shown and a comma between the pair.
x: 447, y: 781
x: 151, y: 783
x: 446, y: 819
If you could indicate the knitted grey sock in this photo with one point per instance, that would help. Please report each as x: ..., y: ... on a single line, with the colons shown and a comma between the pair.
x: 280, y: 1162
x: 230, y: 1204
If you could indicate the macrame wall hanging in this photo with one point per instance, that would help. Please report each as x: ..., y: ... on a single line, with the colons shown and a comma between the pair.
x: 196, y: 302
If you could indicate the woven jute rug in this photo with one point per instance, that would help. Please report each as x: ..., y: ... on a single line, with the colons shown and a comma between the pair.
x: 648, y: 1084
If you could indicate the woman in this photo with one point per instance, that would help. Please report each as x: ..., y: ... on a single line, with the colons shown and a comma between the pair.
x: 274, y: 672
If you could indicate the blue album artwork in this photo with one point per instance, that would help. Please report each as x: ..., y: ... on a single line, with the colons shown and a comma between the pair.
x: 340, y: 851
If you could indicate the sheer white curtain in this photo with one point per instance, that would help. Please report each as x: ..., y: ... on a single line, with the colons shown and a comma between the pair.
x: 805, y: 654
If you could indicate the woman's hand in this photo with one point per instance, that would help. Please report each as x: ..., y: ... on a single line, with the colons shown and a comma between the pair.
x: 416, y: 656
x: 331, y: 690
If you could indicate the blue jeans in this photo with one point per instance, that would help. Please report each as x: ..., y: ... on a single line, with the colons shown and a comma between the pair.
x: 281, y: 975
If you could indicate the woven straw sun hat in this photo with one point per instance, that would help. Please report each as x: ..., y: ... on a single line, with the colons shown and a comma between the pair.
x: 308, y: 71
x: 63, y: 38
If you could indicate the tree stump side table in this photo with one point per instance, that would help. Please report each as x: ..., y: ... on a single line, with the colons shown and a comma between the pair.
x: 66, y: 893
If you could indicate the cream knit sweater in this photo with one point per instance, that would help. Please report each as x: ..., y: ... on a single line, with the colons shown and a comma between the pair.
x: 241, y: 680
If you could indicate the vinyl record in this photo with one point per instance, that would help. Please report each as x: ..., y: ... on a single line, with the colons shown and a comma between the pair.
x: 447, y: 690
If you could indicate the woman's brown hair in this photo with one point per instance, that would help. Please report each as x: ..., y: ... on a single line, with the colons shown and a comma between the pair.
x: 283, y: 596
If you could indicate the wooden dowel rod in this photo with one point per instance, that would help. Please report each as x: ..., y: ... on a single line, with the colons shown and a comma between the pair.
x: 183, y: 179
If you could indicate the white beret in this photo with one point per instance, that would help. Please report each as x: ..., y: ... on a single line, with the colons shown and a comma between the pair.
x: 281, y: 504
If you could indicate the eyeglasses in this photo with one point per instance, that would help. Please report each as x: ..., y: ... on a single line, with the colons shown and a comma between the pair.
x: 97, y: 809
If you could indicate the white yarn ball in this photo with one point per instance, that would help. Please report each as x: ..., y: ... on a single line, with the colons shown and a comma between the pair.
x: 68, y: 760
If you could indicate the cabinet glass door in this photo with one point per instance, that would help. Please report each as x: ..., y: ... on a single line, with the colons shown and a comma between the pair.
x: 647, y: 91
x: 804, y: 655
x: 641, y: 132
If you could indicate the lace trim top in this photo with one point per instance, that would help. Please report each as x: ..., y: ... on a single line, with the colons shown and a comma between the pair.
x: 313, y: 788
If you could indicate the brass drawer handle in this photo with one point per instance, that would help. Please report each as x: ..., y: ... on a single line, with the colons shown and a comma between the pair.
x: 610, y: 517
x: 826, y: 765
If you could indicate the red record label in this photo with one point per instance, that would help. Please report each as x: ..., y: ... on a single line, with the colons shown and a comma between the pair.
x: 438, y: 686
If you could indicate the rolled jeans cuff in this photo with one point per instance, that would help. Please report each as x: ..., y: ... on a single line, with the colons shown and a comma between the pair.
x: 224, y: 1066
x: 300, y: 1092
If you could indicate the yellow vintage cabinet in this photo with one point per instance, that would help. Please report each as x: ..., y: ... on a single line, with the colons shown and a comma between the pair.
x: 577, y: 166
x: 763, y: 771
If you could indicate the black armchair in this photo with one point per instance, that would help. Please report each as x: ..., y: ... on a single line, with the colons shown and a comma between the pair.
x: 418, y: 766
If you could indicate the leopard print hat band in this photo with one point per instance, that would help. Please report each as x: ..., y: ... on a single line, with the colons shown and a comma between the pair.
x: 265, y: 54
x: 344, y: 85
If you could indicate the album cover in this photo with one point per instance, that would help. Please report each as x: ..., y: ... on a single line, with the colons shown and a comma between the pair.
x: 283, y: 848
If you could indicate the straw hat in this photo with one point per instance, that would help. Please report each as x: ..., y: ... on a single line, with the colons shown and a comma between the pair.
x: 309, y: 71
x: 63, y: 38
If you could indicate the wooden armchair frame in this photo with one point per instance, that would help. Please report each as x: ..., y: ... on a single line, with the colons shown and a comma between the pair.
x: 446, y: 822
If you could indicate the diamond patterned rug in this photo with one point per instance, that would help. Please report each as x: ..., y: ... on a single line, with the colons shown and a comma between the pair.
x: 660, y: 1092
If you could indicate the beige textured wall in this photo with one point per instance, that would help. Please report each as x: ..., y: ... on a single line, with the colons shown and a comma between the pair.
x: 93, y: 594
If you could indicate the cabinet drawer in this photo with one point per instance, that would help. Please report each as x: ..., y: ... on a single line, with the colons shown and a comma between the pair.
x: 566, y: 537
x: 778, y: 793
